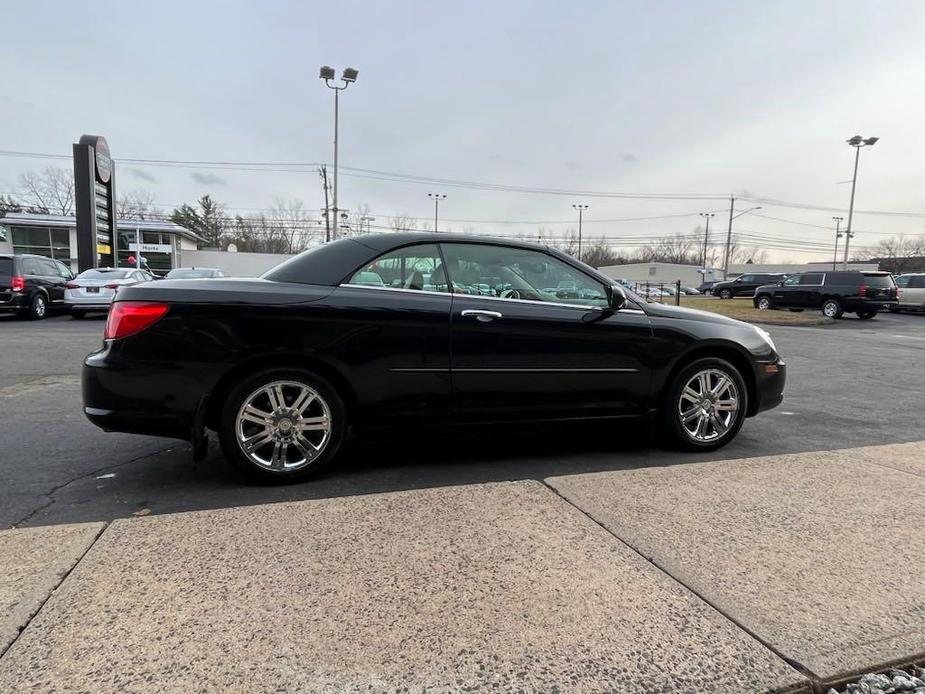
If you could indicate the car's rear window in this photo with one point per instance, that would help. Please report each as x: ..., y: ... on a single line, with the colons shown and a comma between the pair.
x: 879, y: 280
x: 104, y: 274
x: 6, y: 270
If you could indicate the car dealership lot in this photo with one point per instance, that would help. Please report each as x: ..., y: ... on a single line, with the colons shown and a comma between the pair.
x: 848, y: 385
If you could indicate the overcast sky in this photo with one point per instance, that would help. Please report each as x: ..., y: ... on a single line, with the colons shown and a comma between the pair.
x: 634, y: 97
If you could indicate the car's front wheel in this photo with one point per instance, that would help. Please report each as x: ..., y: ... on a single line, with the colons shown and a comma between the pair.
x: 282, y: 425
x: 705, y: 405
x: 725, y: 294
x: 831, y: 308
x: 764, y: 303
x: 38, y: 307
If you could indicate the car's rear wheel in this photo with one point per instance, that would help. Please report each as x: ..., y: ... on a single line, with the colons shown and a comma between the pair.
x: 725, y: 294
x: 705, y: 405
x: 282, y: 425
x: 764, y: 303
x: 38, y: 307
x: 866, y: 315
x: 831, y: 308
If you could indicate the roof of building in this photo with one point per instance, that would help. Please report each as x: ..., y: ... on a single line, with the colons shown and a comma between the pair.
x: 57, y: 220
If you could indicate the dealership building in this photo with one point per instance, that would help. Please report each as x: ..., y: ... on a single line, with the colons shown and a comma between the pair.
x: 162, y: 243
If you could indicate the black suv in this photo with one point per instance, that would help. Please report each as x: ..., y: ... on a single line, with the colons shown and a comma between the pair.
x: 31, y: 284
x: 745, y: 285
x: 854, y: 291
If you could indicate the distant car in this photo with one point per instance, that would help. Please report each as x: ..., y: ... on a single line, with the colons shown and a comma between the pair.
x: 690, y: 291
x: 834, y: 293
x: 192, y: 273
x: 30, y: 285
x: 706, y: 287
x: 94, y: 289
x: 911, y: 291
x: 745, y: 285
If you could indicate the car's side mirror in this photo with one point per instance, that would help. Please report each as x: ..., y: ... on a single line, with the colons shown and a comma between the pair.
x: 616, y: 297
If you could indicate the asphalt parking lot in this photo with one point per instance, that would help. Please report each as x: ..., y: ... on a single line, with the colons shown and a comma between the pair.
x: 849, y: 384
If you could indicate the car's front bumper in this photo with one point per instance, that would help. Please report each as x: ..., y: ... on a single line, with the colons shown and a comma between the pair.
x: 770, y: 379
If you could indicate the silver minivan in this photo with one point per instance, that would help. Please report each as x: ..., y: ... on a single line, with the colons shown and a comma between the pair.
x: 911, y: 289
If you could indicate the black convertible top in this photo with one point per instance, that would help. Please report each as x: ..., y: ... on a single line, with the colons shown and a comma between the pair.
x: 331, y: 263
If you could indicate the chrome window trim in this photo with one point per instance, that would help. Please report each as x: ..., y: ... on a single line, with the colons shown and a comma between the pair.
x: 512, y: 370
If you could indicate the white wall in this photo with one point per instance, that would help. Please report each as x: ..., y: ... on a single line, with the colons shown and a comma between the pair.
x: 233, y: 264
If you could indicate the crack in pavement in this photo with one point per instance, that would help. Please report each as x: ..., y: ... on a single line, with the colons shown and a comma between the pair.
x: 50, y: 494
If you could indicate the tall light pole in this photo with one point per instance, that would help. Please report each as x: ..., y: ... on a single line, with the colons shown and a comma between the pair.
x: 581, y: 209
x: 732, y: 202
x: 838, y: 221
x: 857, y: 142
x: 706, y: 241
x: 348, y: 77
x: 436, y: 197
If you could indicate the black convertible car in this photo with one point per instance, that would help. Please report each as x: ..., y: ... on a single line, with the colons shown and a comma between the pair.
x: 428, y: 329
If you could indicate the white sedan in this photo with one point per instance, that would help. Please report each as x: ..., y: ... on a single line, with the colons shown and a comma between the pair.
x: 93, y: 290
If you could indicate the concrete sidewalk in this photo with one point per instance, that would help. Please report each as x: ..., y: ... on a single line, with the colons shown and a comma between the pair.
x: 501, y: 587
x: 760, y: 575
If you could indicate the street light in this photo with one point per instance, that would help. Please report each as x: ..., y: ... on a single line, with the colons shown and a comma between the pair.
x: 706, y: 241
x: 348, y: 77
x: 857, y: 142
x: 581, y: 208
x: 838, y: 235
x: 732, y: 202
x: 436, y: 197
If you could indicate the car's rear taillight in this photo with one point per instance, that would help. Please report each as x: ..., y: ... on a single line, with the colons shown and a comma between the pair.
x: 18, y: 284
x: 112, y: 285
x: 862, y: 290
x: 71, y: 285
x: 129, y: 317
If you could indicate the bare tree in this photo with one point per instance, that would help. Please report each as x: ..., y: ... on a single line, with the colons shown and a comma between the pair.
x: 295, y: 224
x: 356, y: 220
x: 898, y: 253
x: 402, y: 222
x: 679, y: 248
x: 51, y: 191
x: 136, y: 204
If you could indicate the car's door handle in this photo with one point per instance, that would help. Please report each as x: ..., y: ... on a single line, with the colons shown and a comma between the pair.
x: 483, y: 316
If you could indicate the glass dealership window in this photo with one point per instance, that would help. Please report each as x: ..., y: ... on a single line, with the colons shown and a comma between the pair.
x: 53, y: 243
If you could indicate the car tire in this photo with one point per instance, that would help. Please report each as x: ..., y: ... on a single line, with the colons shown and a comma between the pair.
x: 725, y: 294
x: 763, y: 302
x: 866, y: 315
x: 38, y: 307
x: 678, y: 405
x: 831, y: 308
x: 277, y: 459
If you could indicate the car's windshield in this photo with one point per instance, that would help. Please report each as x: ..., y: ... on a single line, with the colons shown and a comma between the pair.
x: 184, y: 274
x: 104, y: 274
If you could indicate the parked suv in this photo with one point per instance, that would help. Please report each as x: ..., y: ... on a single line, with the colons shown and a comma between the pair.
x: 745, y: 285
x: 911, y: 290
x: 864, y: 293
x: 30, y: 285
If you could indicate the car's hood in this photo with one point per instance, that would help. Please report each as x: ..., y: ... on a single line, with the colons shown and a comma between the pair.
x: 663, y: 311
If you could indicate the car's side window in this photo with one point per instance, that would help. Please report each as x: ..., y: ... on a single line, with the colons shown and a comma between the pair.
x: 413, y: 267
x: 903, y: 281
x: 746, y: 278
x: 792, y: 281
x: 519, y: 273
x: 917, y: 282
x: 812, y: 278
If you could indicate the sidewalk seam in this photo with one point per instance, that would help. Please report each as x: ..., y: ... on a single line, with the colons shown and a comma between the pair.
x: 54, y: 590
x: 814, y: 681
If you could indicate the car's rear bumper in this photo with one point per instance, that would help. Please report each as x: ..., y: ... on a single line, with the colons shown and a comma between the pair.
x: 14, y: 302
x: 770, y: 377
x: 141, y: 398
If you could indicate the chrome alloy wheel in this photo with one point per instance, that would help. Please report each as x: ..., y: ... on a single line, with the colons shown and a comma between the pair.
x: 830, y: 309
x: 764, y: 303
x: 709, y: 405
x: 283, y: 426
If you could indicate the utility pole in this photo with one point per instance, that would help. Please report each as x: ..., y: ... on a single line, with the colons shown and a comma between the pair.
x: 436, y: 197
x: 857, y: 142
x: 838, y: 221
x: 323, y: 172
x: 732, y: 203
x: 581, y: 208
x: 706, y: 241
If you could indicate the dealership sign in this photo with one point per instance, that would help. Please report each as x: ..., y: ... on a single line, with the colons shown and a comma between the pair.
x: 151, y: 247
x: 94, y: 185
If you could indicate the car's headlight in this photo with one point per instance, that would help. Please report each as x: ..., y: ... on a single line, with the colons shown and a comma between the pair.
x: 766, y: 336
